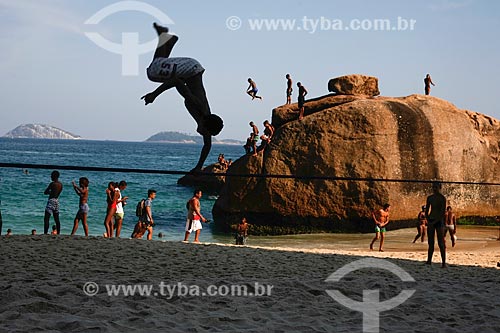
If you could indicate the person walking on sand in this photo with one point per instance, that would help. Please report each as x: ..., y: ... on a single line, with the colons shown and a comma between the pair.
x: 120, y: 212
x: 301, y: 99
x: 112, y: 202
x: 450, y: 224
x: 146, y: 221
x: 436, y: 204
x: 83, y: 207
x: 194, y: 217
x: 422, y: 225
x: 381, y: 219
x: 289, y: 89
x: 252, y: 89
x: 53, y: 191
x: 186, y: 75
x: 427, y: 84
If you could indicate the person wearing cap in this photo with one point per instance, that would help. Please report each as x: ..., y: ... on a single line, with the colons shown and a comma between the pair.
x: 422, y: 225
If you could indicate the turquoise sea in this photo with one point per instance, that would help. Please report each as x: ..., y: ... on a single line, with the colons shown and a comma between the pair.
x: 23, y: 202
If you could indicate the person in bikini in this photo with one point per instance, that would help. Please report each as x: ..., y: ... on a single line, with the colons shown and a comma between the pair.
x: 112, y: 201
x: 422, y: 225
x: 186, y: 75
x: 450, y: 224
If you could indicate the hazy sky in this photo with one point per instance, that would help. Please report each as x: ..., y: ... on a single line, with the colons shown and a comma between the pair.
x: 52, y: 73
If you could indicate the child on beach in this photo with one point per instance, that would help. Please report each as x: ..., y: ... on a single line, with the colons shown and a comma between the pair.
x: 422, y: 225
x: 83, y: 208
x: 53, y: 191
x: 54, y: 230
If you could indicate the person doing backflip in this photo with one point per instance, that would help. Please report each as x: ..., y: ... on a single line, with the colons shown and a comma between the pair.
x: 186, y: 75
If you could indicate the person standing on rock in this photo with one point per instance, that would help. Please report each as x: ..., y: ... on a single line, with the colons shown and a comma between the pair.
x: 381, y: 219
x: 289, y: 89
x: 301, y: 99
x: 427, y: 83
x: 436, y: 203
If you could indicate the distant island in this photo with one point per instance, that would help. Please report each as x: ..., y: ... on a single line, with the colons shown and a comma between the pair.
x: 177, y: 137
x: 40, y: 131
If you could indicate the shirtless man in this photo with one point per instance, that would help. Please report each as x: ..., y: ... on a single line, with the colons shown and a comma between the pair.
x: 422, y: 225
x: 427, y: 83
x: 252, y: 89
x: 450, y: 224
x: 194, y: 216
x: 301, y: 99
x: 242, y: 232
x: 266, y: 137
x: 381, y: 219
x: 436, y: 204
x: 289, y: 89
x: 186, y: 75
x: 53, y: 191
x: 83, y: 208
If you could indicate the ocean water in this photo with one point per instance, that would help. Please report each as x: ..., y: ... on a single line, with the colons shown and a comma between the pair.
x: 23, y: 202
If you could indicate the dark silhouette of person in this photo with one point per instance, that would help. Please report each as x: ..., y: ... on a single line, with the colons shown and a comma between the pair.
x: 427, y: 83
x: 186, y: 75
x: 435, y: 209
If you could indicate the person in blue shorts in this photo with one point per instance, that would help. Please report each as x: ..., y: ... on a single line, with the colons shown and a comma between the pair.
x: 381, y: 219
x: 252, y: 89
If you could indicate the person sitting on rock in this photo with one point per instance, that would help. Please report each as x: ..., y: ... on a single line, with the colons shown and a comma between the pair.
x: 266, y: 137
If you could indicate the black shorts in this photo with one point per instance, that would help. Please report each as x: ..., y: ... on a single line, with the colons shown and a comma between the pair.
x: 301, y: 101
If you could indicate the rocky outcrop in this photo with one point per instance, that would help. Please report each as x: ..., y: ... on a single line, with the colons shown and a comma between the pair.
x: 354, y: 85
x: 207, y: 183
x: 408, y: 138
x: 39, y: 131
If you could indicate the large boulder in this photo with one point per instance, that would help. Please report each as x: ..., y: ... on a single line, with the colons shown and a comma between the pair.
x: 408, y: 138
x: 207, y: 183
x: 354, y: 84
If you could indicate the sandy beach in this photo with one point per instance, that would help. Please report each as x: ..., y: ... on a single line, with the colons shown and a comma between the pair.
x: 46, y: 282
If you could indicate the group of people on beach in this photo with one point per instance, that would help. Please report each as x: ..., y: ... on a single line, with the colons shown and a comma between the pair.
x: 115, y: 210
x: 435, y: 219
